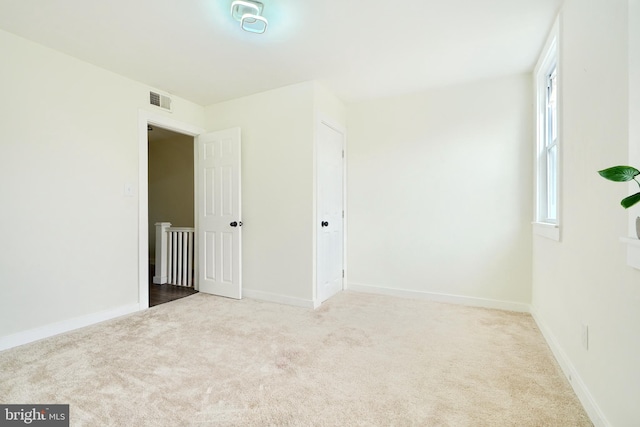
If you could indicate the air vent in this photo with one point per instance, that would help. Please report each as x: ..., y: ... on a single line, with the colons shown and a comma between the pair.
x: 159, y: 100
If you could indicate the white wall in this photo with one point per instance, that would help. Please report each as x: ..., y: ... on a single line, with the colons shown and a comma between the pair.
x: 277, y: 189
x: 583, y: 279
x: 328, y: 105
x: 278, y: 186
x: 439, y: 193
x: 69, y: 142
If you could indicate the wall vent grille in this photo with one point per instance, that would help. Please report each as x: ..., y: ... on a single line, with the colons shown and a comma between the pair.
x: 160, y: 100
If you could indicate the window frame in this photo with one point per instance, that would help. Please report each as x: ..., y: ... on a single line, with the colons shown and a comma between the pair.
x: 544, y: 224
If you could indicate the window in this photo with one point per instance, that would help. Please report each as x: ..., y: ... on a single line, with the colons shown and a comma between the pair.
x: 548, y: 140
x: 550, y: 147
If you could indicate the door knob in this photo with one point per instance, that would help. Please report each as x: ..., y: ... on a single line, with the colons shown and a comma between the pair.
x: 234, y: 224
x: 324, y: 223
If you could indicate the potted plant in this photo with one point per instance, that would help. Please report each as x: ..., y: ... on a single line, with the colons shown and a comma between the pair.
x: 624, y: 174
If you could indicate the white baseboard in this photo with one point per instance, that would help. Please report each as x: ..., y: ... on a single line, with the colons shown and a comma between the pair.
x: 438, y: 297
x: 57, y: 328
x: 590, y: 406
x: 280, y: 299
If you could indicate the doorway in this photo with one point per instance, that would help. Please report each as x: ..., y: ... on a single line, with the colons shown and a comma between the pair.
x: 218, y: 255
x: 170, y: 200
x: 146, y: 119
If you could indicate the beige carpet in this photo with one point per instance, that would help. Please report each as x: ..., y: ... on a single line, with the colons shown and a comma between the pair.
x: 359, y: 360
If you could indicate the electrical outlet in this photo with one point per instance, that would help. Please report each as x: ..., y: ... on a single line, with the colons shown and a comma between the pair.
x: 585, y: 336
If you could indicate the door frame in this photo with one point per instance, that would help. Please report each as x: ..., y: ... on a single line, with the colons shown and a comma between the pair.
x: 323, y: 119
x: 146, y: 118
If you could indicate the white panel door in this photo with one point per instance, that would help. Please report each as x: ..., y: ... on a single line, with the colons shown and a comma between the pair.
x: 330, y: 228
x: 219, y: 218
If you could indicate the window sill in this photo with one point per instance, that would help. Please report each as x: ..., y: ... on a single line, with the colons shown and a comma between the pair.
x: 633, y: 251
x: 545, y: 229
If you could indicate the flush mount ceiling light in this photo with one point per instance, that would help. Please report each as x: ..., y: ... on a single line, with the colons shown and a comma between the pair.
x: 249, y: 14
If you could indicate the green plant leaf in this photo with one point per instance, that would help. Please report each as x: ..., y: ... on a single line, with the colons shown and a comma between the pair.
x: 619, y: 173
x: 627, y: 202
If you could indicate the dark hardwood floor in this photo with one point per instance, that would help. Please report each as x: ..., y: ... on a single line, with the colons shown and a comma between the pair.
x: 159, y: 294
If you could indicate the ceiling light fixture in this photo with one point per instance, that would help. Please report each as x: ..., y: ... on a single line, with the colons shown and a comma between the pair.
x: 249, y: 14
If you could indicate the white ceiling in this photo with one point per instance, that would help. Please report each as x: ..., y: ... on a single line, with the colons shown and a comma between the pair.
x: 358, y: 49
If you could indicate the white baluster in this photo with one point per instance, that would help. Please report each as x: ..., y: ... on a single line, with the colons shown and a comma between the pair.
x: 185, y: 253
x: 190, y: 260
x: 175, y: 258
x: 179, y: 259
x: 171, y: 263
